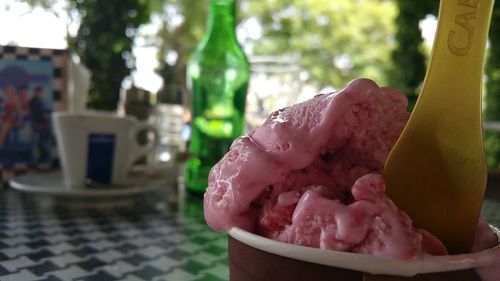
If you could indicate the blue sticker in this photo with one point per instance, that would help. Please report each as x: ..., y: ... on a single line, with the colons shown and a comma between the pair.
x: 101, y: 150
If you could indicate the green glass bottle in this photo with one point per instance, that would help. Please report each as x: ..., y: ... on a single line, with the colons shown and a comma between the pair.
x: 217, y: 78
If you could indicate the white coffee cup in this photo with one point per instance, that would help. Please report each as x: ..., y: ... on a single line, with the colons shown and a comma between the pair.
x: 98, y: 146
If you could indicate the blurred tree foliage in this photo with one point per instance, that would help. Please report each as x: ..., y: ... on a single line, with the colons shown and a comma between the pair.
x: 104, y: 43
x: 335, y: 41
x: 409, y: 57
x: 183, y: 24
x: 45, y: 4
x: 329, y: 38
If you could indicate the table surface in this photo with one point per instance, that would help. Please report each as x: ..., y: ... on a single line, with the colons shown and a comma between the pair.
x: 163, y: 237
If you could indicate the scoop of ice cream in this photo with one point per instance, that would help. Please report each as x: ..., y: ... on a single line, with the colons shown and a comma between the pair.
x: 370, y: 224
x: 299, y: 177
x: 330, y: 140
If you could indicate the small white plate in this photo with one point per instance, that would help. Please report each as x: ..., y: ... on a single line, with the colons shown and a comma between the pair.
x: 52, y: 183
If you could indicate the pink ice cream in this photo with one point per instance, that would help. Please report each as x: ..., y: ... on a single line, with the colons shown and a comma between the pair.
x: 311, y: 175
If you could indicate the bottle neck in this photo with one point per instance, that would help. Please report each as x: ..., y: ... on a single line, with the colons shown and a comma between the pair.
x: 221, y: 19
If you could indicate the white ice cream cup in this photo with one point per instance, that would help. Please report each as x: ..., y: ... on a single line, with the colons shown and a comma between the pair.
x: 253, y: 257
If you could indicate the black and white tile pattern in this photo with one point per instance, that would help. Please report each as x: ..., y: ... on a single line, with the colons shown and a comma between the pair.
x: 133, y: 244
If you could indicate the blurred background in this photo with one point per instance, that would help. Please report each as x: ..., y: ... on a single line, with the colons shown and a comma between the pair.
x: 297, y: 48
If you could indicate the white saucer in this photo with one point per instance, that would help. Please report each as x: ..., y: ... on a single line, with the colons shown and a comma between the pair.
x: 52, y: 183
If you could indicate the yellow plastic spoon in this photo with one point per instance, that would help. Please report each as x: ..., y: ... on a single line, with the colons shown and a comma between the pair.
x: 436, y: 172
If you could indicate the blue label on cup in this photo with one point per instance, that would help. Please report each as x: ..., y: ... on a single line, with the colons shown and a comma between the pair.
x: 101, y: 150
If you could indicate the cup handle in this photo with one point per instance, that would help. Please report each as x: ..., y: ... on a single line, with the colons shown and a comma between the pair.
x: 142, y: 150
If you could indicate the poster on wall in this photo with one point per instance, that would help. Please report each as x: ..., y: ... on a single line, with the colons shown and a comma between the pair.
x: 32, y: 86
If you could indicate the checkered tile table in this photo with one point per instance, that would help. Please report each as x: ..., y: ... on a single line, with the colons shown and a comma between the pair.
x: 132, y: 244
x: 129, y: 244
